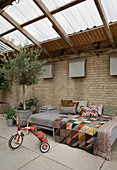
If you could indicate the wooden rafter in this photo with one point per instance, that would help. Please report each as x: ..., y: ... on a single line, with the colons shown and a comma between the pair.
x: 105, y: 22
x: 55, y: 24
x: 8, y: 43
x: 68, y: 5
x: 23, y: 31
x: 5, y: 3
x: 84, y: 54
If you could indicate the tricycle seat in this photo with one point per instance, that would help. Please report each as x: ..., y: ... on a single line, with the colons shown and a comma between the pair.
x: 32, y: 127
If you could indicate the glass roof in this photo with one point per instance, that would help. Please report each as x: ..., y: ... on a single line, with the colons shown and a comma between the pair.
x: 74, y: 19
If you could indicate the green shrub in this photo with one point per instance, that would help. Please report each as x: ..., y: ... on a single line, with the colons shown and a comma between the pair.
x: 31, y: 102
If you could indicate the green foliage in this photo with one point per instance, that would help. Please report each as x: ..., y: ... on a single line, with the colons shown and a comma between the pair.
x: 24, y: 68
x: 31, y: 102
x: 4, y: 84
x: 10, y: 113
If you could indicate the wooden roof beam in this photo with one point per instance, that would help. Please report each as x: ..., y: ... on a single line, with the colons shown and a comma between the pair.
x: 91, y: 53
x: 68, y: 5
x: 7, y: 2
x: 8, y: 43
x: 23, y: 31
x: 105, y: 22
x: 55, y: 24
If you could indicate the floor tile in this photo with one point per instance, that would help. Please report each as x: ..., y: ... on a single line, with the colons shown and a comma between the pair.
x: 14, y: 159
x: 75, y: 158
x: 43, y: 163
x: 2, y: 140
x: 111, y: 165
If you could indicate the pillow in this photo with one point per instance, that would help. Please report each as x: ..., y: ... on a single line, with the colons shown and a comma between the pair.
x: 81, y: 103
x: 87, y: 111
x: 68, y: 107
x: 66, y: 103
x: 68, y: 110
x: 99, y: 108
x: 109, y: 110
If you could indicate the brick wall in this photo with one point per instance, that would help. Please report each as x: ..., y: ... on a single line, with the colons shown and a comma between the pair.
x: 98, y: 87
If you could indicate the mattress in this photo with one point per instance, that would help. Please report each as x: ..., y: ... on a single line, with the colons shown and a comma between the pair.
x: 45, y: 120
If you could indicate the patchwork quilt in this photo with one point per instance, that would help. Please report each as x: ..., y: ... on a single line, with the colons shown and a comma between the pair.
x: 79, y: 132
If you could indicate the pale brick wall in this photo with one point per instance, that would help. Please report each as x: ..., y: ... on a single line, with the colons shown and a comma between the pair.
x: 98, y: 87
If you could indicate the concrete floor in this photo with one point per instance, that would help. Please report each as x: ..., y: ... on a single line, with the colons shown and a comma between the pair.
x: 60, y: 156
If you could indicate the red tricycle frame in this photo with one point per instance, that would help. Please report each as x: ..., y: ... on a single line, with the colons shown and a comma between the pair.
x: 16, y: 140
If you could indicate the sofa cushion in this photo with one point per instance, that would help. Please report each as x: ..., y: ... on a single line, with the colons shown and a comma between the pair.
x: 87, y: 111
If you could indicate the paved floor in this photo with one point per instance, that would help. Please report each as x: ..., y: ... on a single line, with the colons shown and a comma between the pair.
x: 60, y: 156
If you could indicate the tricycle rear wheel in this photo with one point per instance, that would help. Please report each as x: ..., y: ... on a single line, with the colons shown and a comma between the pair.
x: 44, y: 147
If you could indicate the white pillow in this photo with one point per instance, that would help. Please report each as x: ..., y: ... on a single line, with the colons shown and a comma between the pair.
x: 68, y: 110
x: 99, y: 108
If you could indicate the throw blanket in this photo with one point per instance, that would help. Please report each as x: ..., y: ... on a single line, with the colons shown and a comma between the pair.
x: 79, y: 132
x: 104, y: 138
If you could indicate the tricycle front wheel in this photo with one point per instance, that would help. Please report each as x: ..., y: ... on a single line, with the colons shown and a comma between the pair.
x: 44, y: 147
x: 15, y: 141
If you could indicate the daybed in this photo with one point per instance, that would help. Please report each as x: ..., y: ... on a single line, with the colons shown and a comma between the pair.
x: 45, y: 120
x: 62, y: 125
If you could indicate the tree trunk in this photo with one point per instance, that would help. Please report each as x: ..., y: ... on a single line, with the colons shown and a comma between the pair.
x: 24, y: 103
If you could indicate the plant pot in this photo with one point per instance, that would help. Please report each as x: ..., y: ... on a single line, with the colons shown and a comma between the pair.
x: 34, y: 109
x: 10, y: 122
x: 23, y: 115
x: 4, y: 106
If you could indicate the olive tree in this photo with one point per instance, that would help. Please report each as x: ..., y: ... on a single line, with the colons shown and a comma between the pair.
x: 23, y: 68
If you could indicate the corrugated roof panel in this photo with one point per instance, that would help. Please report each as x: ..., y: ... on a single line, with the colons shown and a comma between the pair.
x: 24, y: 11
x: 4, y: 48
x: 17, y: 38
x: 42, y: 30
x: 4, y: 25
x: 53, y: 4
x: 110, y: 8
x: 79, y: 17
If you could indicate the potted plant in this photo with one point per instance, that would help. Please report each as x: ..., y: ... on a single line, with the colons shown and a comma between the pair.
x: 23, y: 68
x: 9, y: 116
x: 32, y: 103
